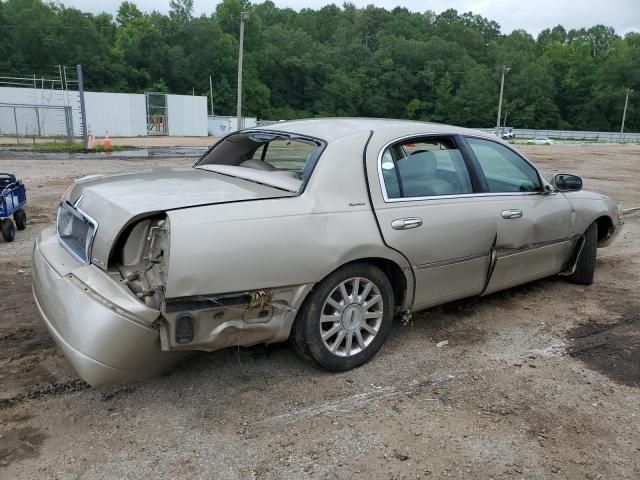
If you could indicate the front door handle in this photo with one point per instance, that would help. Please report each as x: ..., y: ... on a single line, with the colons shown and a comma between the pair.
x: 511, y: 214
x: 406, y: 223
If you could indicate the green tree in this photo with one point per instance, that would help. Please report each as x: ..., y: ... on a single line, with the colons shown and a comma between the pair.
x: 337, y: 60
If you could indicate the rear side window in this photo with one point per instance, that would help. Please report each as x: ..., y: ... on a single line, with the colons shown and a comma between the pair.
x: 504, y: 170
x: 285, y: 154
x: 424, y: 168
x: 279, y: 159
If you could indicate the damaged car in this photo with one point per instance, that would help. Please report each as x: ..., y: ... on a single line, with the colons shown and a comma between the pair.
x: 318, y: 231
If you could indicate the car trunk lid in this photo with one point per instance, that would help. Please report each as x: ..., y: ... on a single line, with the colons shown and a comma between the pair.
x: 114, y: 200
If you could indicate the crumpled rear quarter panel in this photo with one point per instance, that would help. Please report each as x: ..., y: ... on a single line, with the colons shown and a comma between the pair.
x: 272, y: 243
x: 225, y: 248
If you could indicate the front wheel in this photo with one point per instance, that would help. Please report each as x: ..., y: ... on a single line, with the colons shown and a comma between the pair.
x: 20, y: 217
x: 346, y: 318
x: 586, y: 265
x: 8, y: 230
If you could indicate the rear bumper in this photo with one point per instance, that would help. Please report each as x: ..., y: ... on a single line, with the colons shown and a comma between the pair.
x: 86, y: 313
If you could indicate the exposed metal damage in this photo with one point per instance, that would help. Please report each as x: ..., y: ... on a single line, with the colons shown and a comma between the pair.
x: 143, y: 258
x: 213, y: 322
x: 200, y: 322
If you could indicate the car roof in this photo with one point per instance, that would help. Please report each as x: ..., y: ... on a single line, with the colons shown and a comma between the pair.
x: 331, y: 129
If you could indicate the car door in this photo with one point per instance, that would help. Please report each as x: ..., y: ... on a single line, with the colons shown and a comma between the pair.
x: 429, y: 211
x: 534, y: 225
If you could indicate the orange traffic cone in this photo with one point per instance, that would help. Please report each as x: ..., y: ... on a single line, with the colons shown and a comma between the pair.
x: 107, y: 141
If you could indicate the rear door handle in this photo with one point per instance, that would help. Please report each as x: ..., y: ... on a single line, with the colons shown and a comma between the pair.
x: 406, y: 223
x: 511, y: 213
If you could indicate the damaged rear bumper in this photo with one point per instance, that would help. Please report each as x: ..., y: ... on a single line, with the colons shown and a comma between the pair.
x: 107, y: 340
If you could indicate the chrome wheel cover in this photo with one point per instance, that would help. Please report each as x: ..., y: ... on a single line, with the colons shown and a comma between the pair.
x: 351, y: 317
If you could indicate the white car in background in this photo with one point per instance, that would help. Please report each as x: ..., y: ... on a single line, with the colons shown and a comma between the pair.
x: 540, y: 141
x: 504, y: 133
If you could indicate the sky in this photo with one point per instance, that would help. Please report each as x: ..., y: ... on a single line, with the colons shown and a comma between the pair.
x: 530, y: 15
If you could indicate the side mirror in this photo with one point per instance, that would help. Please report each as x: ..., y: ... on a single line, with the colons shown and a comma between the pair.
x: 566, y: 182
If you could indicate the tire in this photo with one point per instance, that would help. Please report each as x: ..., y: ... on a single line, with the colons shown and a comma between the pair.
x: 335, y: 352
x: 20, y: 217
x: 586, y: 265
x: 8, y: 230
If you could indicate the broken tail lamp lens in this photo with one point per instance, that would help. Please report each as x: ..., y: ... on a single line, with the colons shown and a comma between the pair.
x: 75, y: 231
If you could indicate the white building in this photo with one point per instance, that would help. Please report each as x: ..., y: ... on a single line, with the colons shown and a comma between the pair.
x: 120, y: 114
x: 221, y: 125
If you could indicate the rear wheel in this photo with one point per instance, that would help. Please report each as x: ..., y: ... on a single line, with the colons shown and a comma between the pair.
x: 586, y: 265
x: 346, y: 319
x: 20, y: 217
x: 8, y: 230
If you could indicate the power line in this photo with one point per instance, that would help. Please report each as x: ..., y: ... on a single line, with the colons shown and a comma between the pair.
x: 51, y: 66
x: 64, y: 27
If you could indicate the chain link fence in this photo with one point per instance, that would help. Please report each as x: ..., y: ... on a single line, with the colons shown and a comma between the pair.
x: 42, y: 105
x: 23, y: 121
x: 576, y: 135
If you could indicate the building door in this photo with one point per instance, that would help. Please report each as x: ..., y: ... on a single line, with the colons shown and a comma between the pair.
x: 157, y: 113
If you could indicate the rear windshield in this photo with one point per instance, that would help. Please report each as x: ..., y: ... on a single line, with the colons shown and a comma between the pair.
x: 277, y: 159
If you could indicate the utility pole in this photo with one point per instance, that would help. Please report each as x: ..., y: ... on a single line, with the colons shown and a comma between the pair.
x: 624, y: 112
x: 244, y: 17
x: 505, y: 70
x: 211, y: 93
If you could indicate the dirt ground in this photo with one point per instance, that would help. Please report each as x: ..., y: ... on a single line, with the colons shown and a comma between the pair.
x: 537, y: 382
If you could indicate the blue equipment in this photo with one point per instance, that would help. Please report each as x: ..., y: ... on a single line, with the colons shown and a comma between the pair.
x: 13, y: 196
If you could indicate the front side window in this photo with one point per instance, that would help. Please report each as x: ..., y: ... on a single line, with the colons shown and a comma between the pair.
x: 424, y: 168
x: 504, y: 170
x: 281, y: 160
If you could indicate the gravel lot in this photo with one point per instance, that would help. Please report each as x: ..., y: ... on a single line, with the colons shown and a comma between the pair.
x: 541, y: 381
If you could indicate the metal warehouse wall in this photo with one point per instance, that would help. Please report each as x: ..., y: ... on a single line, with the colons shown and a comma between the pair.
x: 187, y: 115
x: 121, y: 114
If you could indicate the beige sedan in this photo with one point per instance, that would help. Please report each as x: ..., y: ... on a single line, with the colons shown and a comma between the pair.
x: 318, y: 231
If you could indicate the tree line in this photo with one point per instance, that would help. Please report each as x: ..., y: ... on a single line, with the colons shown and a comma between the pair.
x: 338, y: 61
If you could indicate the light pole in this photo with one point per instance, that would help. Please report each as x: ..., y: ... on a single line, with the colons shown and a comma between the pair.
x: 505, y: 70
x: 244, y: 17
x: 211, y: 93
x: 624, y: 112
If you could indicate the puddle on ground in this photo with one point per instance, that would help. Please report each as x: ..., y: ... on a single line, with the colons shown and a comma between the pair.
x: 152, y: 152
x: 612, y: 349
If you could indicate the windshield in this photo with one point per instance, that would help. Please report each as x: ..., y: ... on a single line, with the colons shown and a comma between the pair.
x: 277, y: 159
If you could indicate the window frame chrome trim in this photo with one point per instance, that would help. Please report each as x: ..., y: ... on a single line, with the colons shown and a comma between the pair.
x: 383, y: 187
x: 78, y: 212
